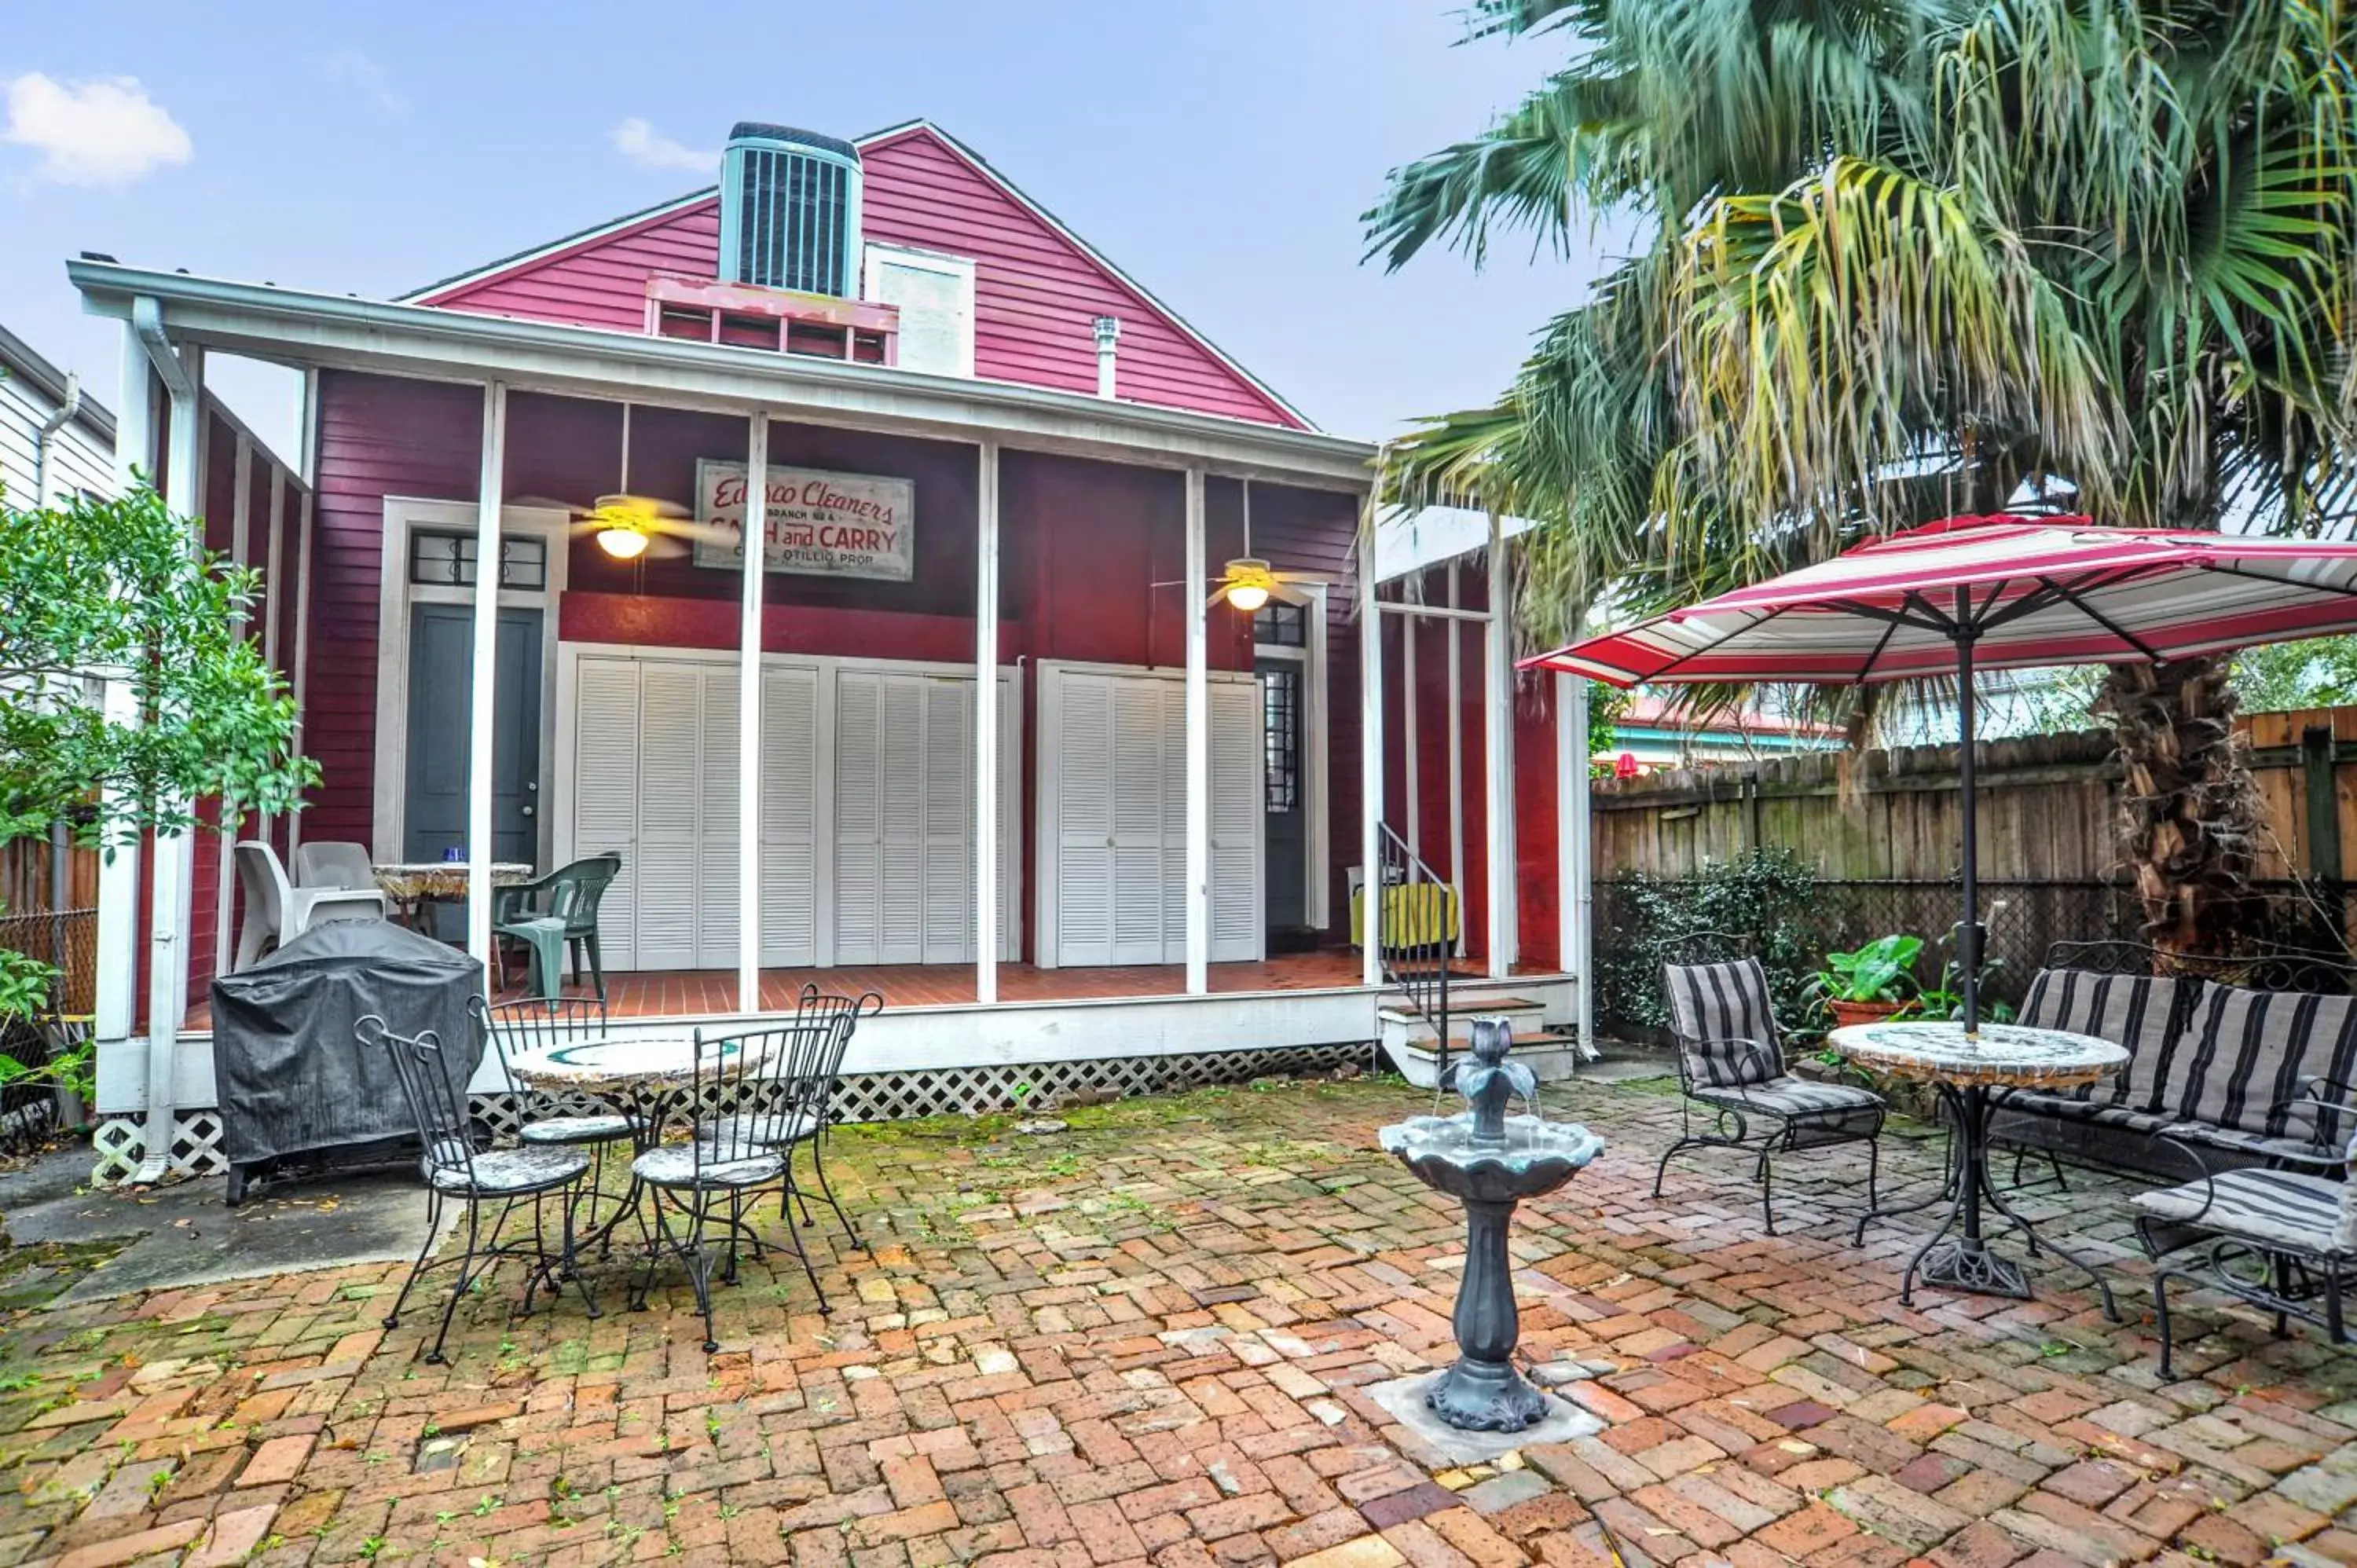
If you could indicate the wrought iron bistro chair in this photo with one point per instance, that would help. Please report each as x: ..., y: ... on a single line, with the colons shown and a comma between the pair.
x: 704, y: 1181
x: 455, y: 1170
x: 553, y: 914
x: 540, y: 1022
x: 1735, y: 1090
x: 2283, y: 1240
x: 797, y: 1107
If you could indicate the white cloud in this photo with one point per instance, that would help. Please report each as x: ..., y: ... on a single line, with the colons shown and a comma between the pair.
x: 355, y: 70
x: 638, y: 141
x: 106, y: 131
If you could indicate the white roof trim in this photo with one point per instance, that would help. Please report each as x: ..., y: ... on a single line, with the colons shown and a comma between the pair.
x: 300, y: 328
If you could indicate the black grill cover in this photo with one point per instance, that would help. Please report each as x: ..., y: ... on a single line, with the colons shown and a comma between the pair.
x: 290, y: 1075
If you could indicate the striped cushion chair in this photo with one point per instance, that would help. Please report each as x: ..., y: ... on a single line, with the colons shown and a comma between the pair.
x: 2283, y: 1239
x: 1734, y: 1089
x: 2256, y: 1078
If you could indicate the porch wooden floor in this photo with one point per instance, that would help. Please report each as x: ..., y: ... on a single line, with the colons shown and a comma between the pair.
x: 673, y: 994
x: 686, y: 993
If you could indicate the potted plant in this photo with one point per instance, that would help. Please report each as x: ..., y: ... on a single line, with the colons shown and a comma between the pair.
x: 1869, y: 984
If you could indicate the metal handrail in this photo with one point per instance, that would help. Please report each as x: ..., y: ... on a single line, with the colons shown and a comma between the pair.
x: 1414, y: 935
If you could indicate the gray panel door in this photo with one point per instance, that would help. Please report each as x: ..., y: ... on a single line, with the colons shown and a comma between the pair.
x: 1286, y: 848
x: 441, y: 688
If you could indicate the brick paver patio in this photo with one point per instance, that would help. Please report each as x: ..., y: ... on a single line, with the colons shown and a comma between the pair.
x: 1143, y: 1341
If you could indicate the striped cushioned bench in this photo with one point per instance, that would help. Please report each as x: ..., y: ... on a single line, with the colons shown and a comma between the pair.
x: 2214, y: 1071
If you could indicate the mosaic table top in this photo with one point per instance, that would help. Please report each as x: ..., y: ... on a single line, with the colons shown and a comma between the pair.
x: 2006, y: 1055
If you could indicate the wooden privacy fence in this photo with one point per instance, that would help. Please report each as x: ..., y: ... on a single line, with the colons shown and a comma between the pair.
x: 1884, y: 850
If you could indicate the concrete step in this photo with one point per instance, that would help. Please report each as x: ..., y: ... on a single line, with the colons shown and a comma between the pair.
x: 1520, y: 1013
x: 1552, y: 1055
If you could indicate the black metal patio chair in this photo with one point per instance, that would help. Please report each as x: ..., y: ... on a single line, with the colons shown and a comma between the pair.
x: 798, y: 1108
x: 1735, y: 1090
x: 509, y: 1029
x: 455, y: 1170
x: 704, y: 1181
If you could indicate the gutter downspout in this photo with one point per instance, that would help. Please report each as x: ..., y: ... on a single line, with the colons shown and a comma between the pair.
x: 49, y: 427
x: 167, y: 960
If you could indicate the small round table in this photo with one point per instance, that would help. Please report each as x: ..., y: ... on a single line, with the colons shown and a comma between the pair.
x: 1973, y: 1075
x: 644, y: 1077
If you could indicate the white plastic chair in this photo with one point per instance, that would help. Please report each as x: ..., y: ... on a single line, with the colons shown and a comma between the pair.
x: 278, y: 913
x: 335, y: 863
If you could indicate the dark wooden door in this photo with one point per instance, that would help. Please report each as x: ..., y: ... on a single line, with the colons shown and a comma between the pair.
x: 441, y: 688
x: 1285, y: 845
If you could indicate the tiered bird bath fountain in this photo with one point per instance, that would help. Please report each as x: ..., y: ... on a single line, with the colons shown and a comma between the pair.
x: 1489, y: 1161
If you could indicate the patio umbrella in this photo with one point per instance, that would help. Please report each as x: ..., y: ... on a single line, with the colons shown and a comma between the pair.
x: 1989, y: 593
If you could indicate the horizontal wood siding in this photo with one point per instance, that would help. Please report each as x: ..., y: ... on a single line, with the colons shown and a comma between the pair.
x: 1037, y: 294
x: 378, y: 436
x: 601, y: 282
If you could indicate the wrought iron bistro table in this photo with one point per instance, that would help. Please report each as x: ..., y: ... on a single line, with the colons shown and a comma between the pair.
x: 1973, y: 1076
x: 409, y: 883
x: 644, y: 1077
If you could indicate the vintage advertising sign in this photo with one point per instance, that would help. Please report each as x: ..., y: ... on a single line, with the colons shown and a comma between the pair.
x: 830, y: 525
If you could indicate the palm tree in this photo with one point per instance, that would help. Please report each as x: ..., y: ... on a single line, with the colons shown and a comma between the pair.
x: 1900, y: 258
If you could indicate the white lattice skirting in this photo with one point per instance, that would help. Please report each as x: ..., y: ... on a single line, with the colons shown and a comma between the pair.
x: 121, y: 1141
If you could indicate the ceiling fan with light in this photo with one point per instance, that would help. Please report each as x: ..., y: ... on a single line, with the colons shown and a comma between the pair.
x: 1247, y: 581
x: 628, y: 527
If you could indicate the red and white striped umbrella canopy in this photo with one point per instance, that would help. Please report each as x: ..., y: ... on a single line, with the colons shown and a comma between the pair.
x: 2041, y: 591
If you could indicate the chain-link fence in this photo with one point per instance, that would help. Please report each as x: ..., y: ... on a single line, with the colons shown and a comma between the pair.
x: 67, y: 940
x: 1793, y: 926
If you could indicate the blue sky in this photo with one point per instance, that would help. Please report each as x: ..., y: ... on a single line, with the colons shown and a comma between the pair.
x: 1221, y: 150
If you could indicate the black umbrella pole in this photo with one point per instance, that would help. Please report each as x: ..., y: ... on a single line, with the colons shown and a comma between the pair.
x: 1968, y: 934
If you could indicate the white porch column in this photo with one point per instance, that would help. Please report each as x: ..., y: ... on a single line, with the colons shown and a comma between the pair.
x: 117, y: 957
x: 479, y: 716
x: 1371, y: 765
x: 1574, y: 894
x: 1456, y: 757
x: 171, y: 878
x: 749, y: 719
x: 1412, y: 801
x: 1498, y: 738
x: 310, y: 463
x: 986, y: 869
x: 225, y: 874
x: 1199, y: 748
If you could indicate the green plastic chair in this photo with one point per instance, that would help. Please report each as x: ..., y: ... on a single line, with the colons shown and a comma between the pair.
x: 556, y: 912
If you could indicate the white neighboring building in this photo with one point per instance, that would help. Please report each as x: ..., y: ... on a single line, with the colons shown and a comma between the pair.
x: 55, y: 439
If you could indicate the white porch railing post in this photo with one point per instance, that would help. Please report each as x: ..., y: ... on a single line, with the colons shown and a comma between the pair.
x: 1498, y: 737
x: 1574, y: 894
x: 1371, y: 765
x: 1456, y: 757
x: 171, y: 882
x: 1198, y: 747
x: 117, y: 956
x: 480, y: 729
x: 986, y: 869
x: 749, y: 719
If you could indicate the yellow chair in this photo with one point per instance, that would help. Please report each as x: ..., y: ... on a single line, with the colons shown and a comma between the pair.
x: 1415, y: 914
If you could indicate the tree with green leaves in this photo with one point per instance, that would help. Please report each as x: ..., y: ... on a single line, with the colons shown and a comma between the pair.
x: 1897, y: 259
x: 93, y: 592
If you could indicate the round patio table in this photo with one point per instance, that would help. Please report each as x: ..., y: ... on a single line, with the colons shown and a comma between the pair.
x: 1973, y: 1076
x: 410, y: 884
x: 642, y: 1076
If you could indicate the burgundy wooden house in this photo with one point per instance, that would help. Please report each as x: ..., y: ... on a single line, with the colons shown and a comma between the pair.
x: 1127, y: 853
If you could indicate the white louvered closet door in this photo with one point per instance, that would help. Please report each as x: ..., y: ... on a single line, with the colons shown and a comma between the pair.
x: 606, y: 793
x: 1238, y: 796
x: 671, y: 747
x: 1084, y: 821
x: 949, y: 819
x: 1140, y: 831
x: 715, y: 845
x: 901, y: 845
x: 790, y: 818
x: 858, y: 767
